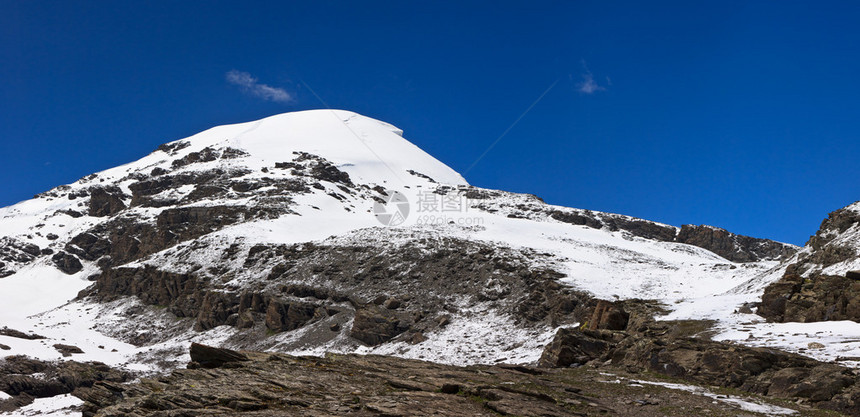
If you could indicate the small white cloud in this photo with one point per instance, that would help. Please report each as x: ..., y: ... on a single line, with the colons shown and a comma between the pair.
x: 588, y: 85
x: 249, y: 84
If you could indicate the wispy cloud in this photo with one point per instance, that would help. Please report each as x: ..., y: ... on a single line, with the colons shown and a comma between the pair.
x: 588, y: 85
x: 250, y: 85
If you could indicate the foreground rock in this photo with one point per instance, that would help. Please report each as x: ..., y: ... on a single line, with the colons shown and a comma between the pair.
x: 279, y: 385
x: 26, y: 379
x: 670, y: 349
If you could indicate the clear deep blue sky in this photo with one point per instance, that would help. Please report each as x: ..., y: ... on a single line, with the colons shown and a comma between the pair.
x: 744, y: 115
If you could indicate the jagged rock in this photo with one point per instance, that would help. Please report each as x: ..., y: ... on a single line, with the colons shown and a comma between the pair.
x: 215, y: 309
x: 578, y: 219
x: 212, y: 357
x: 288, y: 316
x: 105, y: 202
x: 608, y: 316
x: 173, y: 147
x: 276, y: 385
x: 392, y: 304
x: 574, y: 347
x: 67, y: 263
x: 374, y: 325
x: 4, y: 347
x: 5, y: 331
x: 658, y: 348
x: 818, y: 298
x: 25, y: 378
x: 67, y: 350
x: 205, y: 155
x: 736, y: 248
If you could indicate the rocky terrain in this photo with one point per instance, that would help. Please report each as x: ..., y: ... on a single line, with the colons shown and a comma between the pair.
x: 223, y: 382
x: 821, y: 282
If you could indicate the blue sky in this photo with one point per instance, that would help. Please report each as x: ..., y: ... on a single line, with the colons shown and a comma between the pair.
x: 738, y: 114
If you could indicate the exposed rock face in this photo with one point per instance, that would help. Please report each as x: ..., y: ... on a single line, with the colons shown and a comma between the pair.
x: 736, y: 248
x: 375, y: 289
x: 659, y: 347
x: 212, y: 357
x: 574, y: 346
x: 374, y: 325
x: 277, y: 385
x: 818, y: 298
x: 123, y: 240
x: 5, y: 331
x: 67, y: 263
x: 819, y: 285
x: 104, y: 202
x: 608, y: 316
x: 25, y: 378
x: 733, y: 247
x: 14, y: 254
x: 67, y: 350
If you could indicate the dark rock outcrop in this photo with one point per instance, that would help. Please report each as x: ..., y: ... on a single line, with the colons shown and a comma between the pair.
x: 26, y: 379
x: 663, y: 348
x: 817, y: 298
x: 5, y: 331
x: 608, y: 316
x: 15, y: 253
x: 574, y: 347
x: 67, y: 350
x: 126, y: 239
x: 374, y: 325
x: 212, y: 357
x: 67, y: 263
x: 299, y: 279
x: 105, y: 202
x: 736, y: 248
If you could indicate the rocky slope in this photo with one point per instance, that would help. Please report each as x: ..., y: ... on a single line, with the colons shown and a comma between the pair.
x: 220, y: 382
x: 821, y: 282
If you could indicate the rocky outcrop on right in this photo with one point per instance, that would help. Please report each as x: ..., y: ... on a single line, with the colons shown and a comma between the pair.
x: 679, y: 350
x: 817, y: 298
x: 822, y: 283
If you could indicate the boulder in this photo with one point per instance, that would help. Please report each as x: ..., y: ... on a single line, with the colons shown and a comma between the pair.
x: 67, y: 350
x: 608, y: 316
x: 67, y: 263
x: 574, y: 347
x: 104, y: 203
x: 212, y: 357
x: 374, y: 325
